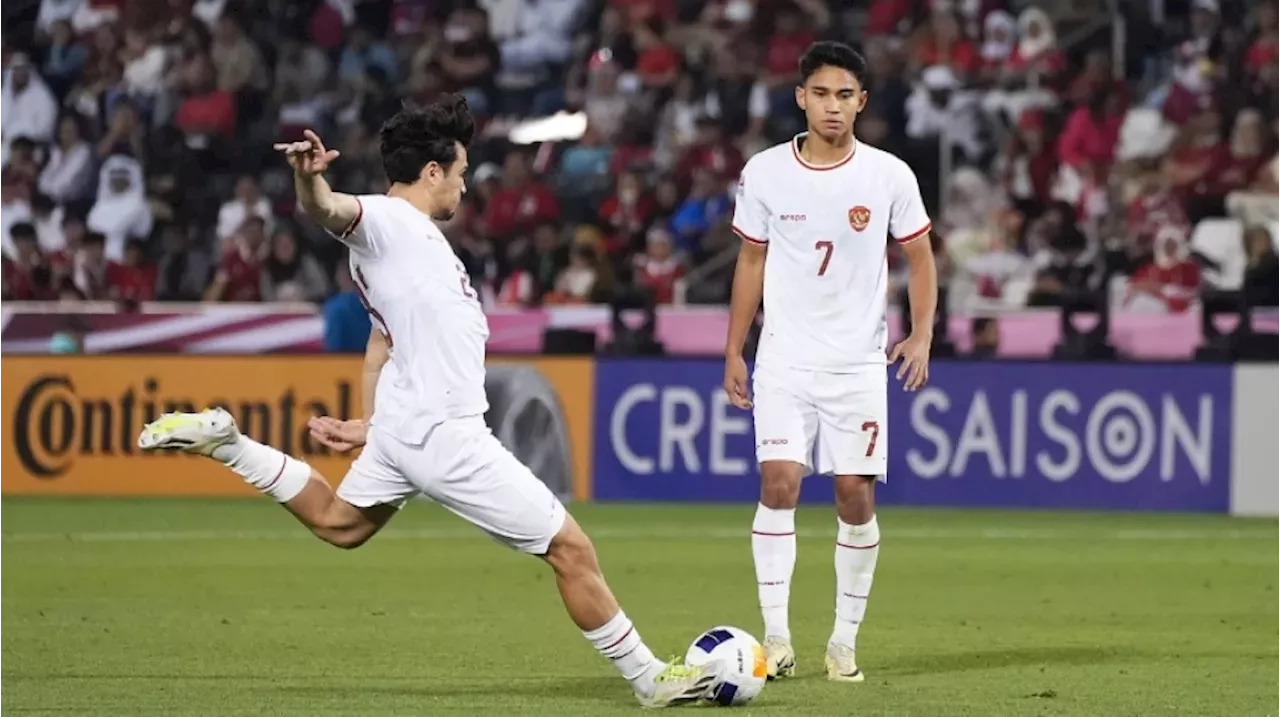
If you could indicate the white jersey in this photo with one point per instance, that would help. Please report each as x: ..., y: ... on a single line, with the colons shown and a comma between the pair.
x: 419, y: 296
x: 826, y: 276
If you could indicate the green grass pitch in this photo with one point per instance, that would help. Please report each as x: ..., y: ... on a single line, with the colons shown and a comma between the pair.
x: 166, y: 607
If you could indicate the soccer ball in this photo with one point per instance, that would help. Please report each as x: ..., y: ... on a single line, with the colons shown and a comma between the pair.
x: 744, y: 669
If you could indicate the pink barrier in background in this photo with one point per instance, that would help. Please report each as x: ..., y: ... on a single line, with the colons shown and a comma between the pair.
x: 684, y: 330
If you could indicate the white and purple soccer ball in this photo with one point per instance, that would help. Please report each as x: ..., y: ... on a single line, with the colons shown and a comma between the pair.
x: 744, y: 670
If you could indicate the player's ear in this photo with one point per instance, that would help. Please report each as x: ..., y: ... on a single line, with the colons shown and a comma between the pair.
x: 800, y: 99
x: 862, y: 100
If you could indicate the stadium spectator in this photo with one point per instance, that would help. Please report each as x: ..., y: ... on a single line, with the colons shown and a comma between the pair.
x: 132, y: 280
x: 89, y: 267
x: 239, y: 273
x: 183, y: 272
x: 289, y: 273
x: 29, y: 108
x: 68, y: 175
x: 248, y: 202
x: 64, y: 58
x: 940, y: 107
x: 1262, y: 272
x: 26, y: 275
x: 659, y: 269
x: 522, y: 202
x: 346, y: 323
x: 120, y: 212
x: 1169, y: 282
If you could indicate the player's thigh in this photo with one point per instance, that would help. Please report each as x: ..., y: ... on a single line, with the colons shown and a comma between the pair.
x: 853, y: 436
x: 785, y: 421
x: 374, y: 479
x: 478, y: 479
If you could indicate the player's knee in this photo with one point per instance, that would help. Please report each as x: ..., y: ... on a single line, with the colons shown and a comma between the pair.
x: 779, y: 485
x: 571, y: 550
x: 855, y: 498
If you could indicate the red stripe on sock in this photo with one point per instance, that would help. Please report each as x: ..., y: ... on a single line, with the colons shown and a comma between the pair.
x: 275, y: 480
x: 772, y: 535
x: 628, y: 652
x: 615, y: 643
x: 858, y: 547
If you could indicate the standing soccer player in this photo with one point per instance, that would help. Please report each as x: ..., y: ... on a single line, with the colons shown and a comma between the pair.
x: 814, y: 215
x: 424, y: 401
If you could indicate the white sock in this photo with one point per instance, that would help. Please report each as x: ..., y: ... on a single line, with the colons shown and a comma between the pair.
x: 773, y: 545
x: 857, y: 547
x: 265, y: 468
x: 619, y: 641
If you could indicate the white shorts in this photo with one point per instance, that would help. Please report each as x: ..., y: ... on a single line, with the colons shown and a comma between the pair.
x: 844, y: 414
x: 462, y: 466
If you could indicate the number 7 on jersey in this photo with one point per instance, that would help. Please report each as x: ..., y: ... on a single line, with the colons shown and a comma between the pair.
x: 826, y: 248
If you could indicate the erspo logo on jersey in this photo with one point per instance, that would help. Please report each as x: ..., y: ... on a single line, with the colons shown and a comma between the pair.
x: 1046, y: 435
x: 72, y: 421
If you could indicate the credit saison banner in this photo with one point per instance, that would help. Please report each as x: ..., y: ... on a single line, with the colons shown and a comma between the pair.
x: 1128, y: 437
x: 72, y: 422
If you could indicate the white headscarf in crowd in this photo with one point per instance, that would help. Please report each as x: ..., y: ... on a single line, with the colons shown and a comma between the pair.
x: 1029, y: 47
x: 999, y: 48
x: 120, y: 215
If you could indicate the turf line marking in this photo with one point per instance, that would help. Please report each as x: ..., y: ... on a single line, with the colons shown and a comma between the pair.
x: 657, y: 533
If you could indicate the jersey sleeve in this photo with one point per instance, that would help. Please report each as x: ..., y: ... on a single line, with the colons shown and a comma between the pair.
x: 750, y: 216
x: 908, y: 219
x: 365, y: 233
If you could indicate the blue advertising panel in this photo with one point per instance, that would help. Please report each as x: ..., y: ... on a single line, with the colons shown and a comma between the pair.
x: 1131, y: 437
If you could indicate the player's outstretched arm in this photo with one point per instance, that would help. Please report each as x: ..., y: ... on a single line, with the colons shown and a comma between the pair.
x: 332, y: 210
x: 744, y: 302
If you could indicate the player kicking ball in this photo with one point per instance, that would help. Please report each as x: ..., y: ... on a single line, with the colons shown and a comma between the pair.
x: 424, y: 399
x: 814, y: 215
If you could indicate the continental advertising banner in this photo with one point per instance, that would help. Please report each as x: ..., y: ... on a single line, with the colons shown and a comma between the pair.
x: 72, y: 422
x: 1139, y: 437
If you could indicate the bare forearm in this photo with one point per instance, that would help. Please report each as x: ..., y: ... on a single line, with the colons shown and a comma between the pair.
x: 922, y: 290
x: 332, y: 210
x: 375, y: 356
x: 748, y: 289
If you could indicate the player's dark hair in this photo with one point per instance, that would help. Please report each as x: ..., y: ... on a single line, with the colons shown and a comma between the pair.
x: 417, y: 136
x: 832, y: 54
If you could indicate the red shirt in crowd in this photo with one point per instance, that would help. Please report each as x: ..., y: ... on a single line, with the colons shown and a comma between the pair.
x: 518, y: 209
x: 242, y: 272
x: 723, y: 160
x: 1148, y: 214
x: 19, y: 280
x: 784, y: 52
x: 131, y: 283
x: 211, y: 113
x: 622, y: 217
x: 1089, y: 140
x: 1175, y: 285
x: 961, y: 56
x: 1228, y: 173
x: 1262, y: 53
x: 660, y: 277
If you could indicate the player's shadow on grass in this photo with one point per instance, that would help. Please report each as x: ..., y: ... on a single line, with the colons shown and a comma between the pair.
x: 603, y: 690
x: 1011, y: 657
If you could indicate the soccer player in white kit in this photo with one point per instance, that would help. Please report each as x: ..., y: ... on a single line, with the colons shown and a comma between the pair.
x: 814, y: 215
x: 423, y: 430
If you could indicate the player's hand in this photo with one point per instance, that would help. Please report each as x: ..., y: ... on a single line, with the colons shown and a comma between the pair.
x: 914, y: 352
x: 341, y: 436
x: 735, y: 382
x: 308, y: 157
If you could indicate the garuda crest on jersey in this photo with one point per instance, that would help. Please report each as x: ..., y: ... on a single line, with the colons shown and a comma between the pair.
x: 859, y: 218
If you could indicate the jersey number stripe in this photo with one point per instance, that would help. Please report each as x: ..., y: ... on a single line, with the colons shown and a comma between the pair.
x: 362, y: 285
x: 826, y: 247
x: 872, y: 427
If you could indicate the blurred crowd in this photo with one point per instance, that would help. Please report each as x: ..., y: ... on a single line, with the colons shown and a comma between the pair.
x: 1061, y: 149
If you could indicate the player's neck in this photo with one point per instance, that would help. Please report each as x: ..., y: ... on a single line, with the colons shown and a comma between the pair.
x: 818, y: 150
x: 418, y: 198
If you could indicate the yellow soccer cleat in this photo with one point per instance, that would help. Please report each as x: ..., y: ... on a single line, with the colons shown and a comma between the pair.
x: 780, y: 658
x: 198, y: 433
x: 680, y: 684
x: 841, y: 664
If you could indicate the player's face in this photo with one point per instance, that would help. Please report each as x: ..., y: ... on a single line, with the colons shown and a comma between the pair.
x: 831, y: 99
x: 448, y: 186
